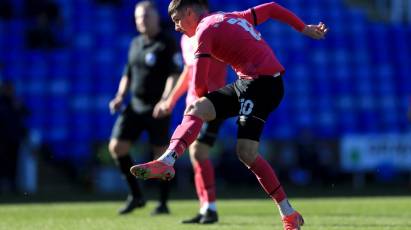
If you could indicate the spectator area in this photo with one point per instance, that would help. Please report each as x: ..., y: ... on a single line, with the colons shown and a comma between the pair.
x: 355, y: 81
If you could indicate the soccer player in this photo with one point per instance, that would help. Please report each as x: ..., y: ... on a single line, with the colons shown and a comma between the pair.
x: 232, y: 38
x: 149, y: 75
x: 203, y: 169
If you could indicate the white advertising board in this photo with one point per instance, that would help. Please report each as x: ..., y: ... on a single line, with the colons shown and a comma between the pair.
x: 367, y: 152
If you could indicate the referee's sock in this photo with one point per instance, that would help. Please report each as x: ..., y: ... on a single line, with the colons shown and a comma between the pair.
x: 165, y: 187
x: 125, y: 163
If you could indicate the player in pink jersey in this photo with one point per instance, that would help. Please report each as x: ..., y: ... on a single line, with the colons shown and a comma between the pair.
x: 232, y: 38
x: 199, y: 150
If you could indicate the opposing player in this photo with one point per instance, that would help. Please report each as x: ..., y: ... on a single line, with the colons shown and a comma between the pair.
x: 199, y: 150
x: 232, y: 38
x: 149, y: 76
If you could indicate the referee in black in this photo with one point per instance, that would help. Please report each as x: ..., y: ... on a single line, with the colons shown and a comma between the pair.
x: 150, y: 73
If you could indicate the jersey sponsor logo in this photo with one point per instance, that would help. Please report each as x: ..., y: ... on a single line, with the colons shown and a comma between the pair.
x: 246, y: 107
x: 150, y: 59
x: 246, y: 26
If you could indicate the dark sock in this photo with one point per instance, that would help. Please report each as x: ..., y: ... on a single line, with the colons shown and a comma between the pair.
x: 164, y: 191
x: 125, y: 163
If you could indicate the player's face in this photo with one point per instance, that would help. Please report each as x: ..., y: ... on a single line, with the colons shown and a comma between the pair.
x: 146, y: 19
x: 184, y: 21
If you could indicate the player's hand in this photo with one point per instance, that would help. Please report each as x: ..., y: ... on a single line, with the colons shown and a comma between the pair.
x: 316, y: 31
x: 162, y: 109
x: 115, y: 104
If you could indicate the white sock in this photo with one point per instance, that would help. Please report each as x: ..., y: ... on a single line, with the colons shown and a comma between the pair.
x: 208, y: 205
x: 285, y: 208
x: 169, y: 157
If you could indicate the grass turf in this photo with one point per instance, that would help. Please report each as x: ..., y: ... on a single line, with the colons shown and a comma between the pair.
x: 376, y: 213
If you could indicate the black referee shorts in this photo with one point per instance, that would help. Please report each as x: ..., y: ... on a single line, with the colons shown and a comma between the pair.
x: 251, y: 100
x: 129, y: 126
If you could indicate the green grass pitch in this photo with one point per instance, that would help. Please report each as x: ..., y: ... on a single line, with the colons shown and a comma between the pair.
x: 376, y: 213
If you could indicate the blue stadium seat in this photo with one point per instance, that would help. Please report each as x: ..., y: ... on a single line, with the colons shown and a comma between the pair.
x: 59, y: 87
x: 84, y: 40
x: 350, y: 82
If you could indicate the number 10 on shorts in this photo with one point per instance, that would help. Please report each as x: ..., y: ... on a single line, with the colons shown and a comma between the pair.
x: 246, y: 107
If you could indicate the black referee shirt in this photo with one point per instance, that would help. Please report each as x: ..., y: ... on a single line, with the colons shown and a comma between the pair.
x: 150, y: 63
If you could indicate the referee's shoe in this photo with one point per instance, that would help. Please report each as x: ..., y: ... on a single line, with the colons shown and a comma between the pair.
x: 209, y: 217
x: 131, y: 204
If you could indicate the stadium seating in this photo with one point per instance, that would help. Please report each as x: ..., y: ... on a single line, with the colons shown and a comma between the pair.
x: 355, y: 81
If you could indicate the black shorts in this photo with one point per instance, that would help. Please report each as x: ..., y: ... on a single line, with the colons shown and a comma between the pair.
x: 209, y: 132
x: 251, y: 100
x: 129, y: 126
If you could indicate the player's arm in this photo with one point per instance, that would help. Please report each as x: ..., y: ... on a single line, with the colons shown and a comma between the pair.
x: 159, y: 110
x: 202, y: 60
x: 170, y: 84
x: 173, y: 68
x: 261, y: 13
x: 200, y: 73
x: 123, y: 87
x: 172, y: 53
x: 180, y: 87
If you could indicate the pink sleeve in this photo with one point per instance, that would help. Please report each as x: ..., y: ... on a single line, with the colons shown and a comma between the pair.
x: 261, y: 13
x: 200, y: 75
x: 202, y: 63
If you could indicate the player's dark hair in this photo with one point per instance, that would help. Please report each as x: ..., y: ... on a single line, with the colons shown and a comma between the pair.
x: 176, y: 5
x: 204, y: 3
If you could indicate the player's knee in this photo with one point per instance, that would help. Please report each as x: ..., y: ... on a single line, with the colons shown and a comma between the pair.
x: 198, y: 156
x: 198, y: 152
x: 117, y: 149
x: 190, y: 109
x: 202, y: 108
x: 247, y: 151
x: 247, y: 157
